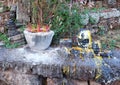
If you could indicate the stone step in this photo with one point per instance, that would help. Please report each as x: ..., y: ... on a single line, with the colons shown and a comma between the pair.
x: 16, y: 37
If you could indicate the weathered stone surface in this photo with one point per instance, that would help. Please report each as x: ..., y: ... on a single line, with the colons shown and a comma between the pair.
x: 11, y: 78
x: 16, y: 37
x: 115, y: 83
x: 21, y: 41
x: 23, y: 11
x: 53, y: 63
x: 109, y: 13
x: 65, y: 81
x: 112, y: 2
x: 94, y: 83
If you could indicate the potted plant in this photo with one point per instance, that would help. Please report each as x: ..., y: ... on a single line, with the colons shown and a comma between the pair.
x: 38, y: 34
x: 38, y: 37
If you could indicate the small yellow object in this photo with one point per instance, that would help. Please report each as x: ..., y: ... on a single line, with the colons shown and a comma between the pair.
x: 85, y: 44
x: 66, y: 69
x: 67, y: 50
x: 98, y: 61
x: 77, y: 48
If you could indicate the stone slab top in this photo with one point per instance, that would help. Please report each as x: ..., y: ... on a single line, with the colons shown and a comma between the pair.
x: 49, y: 56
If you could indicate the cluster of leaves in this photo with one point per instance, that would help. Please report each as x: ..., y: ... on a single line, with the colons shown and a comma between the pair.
x: 7, y: 42
x: 66, y: 20
x: 40, y: 11
x: 63, y: 15
x: 38, y: 28
x: 112, y: 44
x: 92, y: 20
x: 109, y: 45
x: 101, y: 30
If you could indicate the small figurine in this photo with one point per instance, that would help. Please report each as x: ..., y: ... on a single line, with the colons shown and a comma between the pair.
x: 86, y: 45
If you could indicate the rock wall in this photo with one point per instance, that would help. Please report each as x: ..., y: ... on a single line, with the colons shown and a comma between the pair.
x: 12, y: 78
x: 107, y: 19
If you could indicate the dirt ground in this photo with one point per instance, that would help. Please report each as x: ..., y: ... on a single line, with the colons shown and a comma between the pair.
x: 111, y: 39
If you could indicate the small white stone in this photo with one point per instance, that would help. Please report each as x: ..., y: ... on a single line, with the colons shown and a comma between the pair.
x: 1, y: 43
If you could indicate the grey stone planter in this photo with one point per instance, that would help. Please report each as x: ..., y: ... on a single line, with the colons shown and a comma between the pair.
x: 38, y: 41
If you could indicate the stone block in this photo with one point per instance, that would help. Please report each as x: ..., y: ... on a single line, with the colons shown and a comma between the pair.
x: 10, y: 78
x: 16, y: 37
x: 19, y: 42
x: 108, y: 13
x: 64, y: 81
x: 22, y: 11
x: 94, y: 83
x: 112, y: 3
x: 65, y: 42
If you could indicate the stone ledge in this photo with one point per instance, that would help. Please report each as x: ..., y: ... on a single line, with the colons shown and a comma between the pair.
x: 101, y: 15
x: 52, y: 63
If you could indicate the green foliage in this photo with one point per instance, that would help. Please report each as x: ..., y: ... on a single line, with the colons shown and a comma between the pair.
x: 112, y: 44
x: 66, y: 20
x: 97, y: 9
x: 101, y: 30
x: 41, y: 10
x: 5, y: 39
x: 92, y: 20
x: 1, y: 4
x: 104, y: 45
x: 22, y: 28
x: 63, y: 15
x: 6, y: 8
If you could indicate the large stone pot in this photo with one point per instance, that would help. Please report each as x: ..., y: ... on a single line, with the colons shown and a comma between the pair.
x: 40, y: 40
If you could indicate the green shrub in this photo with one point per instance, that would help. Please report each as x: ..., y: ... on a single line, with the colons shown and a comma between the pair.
x: 7, y: 42
x: 112, y: 44
x: 66, y: 20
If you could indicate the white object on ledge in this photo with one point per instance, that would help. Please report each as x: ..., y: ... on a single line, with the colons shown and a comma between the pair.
x: 39, y: 40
